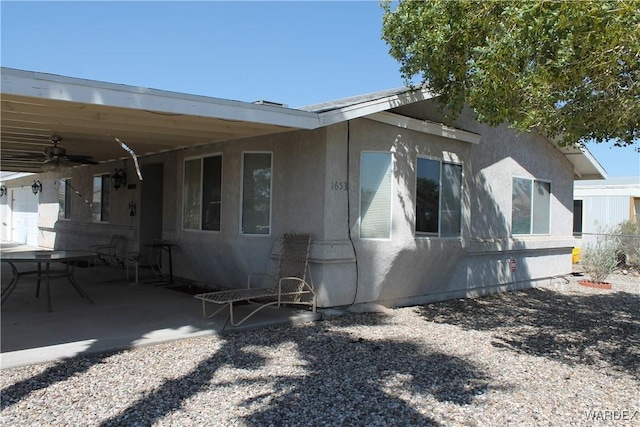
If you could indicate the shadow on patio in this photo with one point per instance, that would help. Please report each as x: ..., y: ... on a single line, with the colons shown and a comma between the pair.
x: 124, y: 315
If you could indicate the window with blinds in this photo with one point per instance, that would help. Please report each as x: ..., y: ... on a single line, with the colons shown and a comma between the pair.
x: 375, y: 195
x: 256, y: 193
x: 202, y: 193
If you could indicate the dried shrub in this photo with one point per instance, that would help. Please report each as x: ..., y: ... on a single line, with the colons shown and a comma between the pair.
x: 600, y: 258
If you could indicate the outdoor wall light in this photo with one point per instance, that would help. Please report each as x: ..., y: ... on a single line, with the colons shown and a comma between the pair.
x: 119, y: 178
x: 3, y: 190
x: 36, y: 187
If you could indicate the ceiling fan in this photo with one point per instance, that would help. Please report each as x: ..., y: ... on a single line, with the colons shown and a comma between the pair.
x: 55, y: 155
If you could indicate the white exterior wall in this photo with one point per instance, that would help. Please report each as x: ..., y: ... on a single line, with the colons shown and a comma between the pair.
x: 605, y: 204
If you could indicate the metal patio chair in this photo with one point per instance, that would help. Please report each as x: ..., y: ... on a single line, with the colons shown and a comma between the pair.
x: 149, y: 258
x: 289, y: 287
x: 109, y: 253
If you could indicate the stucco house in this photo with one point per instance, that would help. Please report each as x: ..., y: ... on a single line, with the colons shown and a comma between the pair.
x: 402, y: 209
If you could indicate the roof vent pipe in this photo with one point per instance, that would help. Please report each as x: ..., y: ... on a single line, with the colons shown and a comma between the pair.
x: 271, y: 103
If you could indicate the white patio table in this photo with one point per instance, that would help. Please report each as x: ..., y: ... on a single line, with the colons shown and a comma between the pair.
x: 41, y: 257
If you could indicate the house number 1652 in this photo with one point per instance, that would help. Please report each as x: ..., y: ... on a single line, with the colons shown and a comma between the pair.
x: 339, y: 185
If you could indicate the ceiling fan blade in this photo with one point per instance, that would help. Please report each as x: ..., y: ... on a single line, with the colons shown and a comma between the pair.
x: 84, y: 159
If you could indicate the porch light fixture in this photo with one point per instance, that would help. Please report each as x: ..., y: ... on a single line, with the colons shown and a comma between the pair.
x: 119, y: 178
x: 3, y: 190
x: 36, y: 187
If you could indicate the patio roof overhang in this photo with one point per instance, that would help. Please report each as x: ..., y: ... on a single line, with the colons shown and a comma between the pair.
x: 89, y: 115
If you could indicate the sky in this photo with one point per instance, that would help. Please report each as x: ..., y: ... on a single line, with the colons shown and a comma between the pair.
x: 296, y: 53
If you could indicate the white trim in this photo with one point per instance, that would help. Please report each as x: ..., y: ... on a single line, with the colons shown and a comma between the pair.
x: 370, y: 107
x: 585, y: 165
x: 61, y: 88
x: 425, y: 126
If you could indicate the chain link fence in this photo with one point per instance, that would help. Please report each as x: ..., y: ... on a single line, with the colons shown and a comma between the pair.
x: 627, y: 246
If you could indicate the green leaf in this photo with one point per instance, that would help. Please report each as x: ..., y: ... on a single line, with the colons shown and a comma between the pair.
x: 569, y: 69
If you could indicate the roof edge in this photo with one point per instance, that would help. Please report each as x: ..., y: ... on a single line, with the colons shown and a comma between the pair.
x: 62, y: 88
x: 361, y: 108
x: 585, y: 165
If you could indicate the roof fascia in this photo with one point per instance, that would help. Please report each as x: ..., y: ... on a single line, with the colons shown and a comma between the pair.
x: 425, y: 126
x: 61, y: 88
x: 595, y: 169
x: 370, y: 107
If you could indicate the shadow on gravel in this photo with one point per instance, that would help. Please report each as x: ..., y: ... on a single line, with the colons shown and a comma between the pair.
x: 596, y: 329
x: 366, y: 386
x: 376, y: 381
x: 59, y: 372
x: 352, y: 381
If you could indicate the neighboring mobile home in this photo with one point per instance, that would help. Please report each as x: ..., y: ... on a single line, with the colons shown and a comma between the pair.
x: 601, y: 205
x: 401, y: 208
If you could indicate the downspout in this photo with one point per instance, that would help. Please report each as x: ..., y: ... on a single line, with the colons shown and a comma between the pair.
x: 355, y: 254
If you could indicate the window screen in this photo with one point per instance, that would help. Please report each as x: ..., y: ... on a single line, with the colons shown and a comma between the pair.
x: 256, y: 193
x: 191, y: 194
x: 101, y: 191
x: 428, y: 196
x: 64, y: 198
x: 451, y: 200
x: 438, y: 198
x: 531, y: 206
x: 202, y: 191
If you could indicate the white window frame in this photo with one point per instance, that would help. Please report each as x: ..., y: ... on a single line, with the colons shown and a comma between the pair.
x: 184, y: 171
x: 533, y: 181
x: 391, y: 193
x: 438, y: 234
x: 104, y: 177
x: 578, y: 234
x: 241, y: 210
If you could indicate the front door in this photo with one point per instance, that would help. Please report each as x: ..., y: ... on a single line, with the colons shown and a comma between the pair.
x: 151, y: 202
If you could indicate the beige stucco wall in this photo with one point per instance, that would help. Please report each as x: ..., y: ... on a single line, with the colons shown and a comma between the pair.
x: 408, y: 269
x: 315, y: 189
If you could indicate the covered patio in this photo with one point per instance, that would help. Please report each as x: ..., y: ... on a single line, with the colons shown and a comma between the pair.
x: 125, y: 315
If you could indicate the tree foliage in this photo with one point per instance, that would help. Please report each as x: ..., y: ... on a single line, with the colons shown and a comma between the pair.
x: 568, y: 69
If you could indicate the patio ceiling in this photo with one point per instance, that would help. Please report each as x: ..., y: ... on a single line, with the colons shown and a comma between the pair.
x: 89, y: 115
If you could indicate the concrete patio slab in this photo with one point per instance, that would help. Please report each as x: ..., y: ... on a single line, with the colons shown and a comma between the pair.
x: 124, y: 315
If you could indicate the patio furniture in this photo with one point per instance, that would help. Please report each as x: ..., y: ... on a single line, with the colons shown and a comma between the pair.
x: 149, y: 258
x: 109, y: 253
x: 161, y: 245
x: 290, y: 285
x: 69, y: 258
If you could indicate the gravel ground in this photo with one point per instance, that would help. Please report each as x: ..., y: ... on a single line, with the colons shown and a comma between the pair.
x: 557, y: 355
